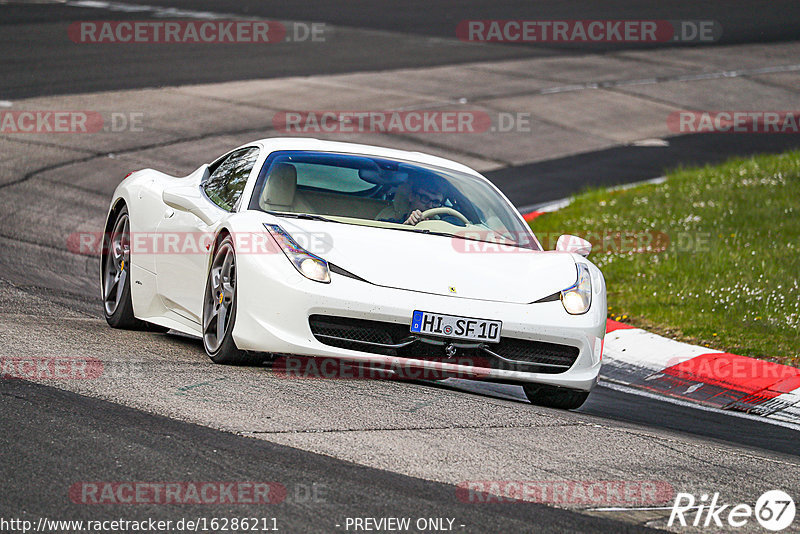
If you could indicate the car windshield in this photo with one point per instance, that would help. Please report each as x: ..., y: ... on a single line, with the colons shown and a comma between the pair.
x: 391, y: 194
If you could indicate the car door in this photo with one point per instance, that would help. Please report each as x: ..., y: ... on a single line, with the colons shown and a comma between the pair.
x: 185, y: 240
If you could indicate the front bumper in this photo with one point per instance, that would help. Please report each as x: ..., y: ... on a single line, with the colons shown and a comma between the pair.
x: 273, y: 316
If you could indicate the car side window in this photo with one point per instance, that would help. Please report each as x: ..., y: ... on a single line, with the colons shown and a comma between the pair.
x: 226, y: 183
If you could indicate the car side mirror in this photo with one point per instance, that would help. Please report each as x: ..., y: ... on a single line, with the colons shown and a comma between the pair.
x: 189, y: 199
x: 573, y: 243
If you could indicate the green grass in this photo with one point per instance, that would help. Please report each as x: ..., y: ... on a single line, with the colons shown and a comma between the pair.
x: 728, y: 278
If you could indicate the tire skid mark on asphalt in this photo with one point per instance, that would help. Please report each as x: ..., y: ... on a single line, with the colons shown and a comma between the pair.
x: 40, y: 143
x: 214, y: 382
x: 131, y: 150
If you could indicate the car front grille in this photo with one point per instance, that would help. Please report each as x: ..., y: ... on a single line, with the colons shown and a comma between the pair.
x: 391, y: 339
x: 521, y: 350
x: 365, y: 332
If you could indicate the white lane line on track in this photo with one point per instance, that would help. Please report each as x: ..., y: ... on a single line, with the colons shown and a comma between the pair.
x: 555, y: 205
x: 742, y: 415
x: 155, y: 11
x: 652, y: 142
x: 633, y: 508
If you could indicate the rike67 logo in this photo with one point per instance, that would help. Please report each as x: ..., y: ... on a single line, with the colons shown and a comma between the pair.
x: 774, y: 511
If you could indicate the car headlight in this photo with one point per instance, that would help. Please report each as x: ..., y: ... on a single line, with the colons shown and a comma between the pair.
x: 577, y: 298
x: 309, y: 265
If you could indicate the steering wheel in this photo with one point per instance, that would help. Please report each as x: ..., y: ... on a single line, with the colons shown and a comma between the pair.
x: 442, y: 210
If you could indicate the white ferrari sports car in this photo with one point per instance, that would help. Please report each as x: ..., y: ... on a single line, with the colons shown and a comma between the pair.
x: 362, y: 254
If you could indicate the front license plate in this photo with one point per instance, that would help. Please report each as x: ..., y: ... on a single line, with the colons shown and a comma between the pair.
x: 437, y: 324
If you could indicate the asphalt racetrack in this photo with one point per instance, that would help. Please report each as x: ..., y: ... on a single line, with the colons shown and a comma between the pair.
x: 347, y: 449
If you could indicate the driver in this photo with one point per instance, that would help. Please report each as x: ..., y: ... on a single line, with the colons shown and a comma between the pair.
x: 425, y: 194
x: 422, y: 199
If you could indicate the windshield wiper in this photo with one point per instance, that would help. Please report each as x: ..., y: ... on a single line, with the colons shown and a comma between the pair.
x: 506, y: 242
x: 306, y: 216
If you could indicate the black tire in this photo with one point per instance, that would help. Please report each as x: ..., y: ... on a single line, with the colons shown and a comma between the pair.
x: 216, y: 298
x: 115, y: 281
x: 555, y: 397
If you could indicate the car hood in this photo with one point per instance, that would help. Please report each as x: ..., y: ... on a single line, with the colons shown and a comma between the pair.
x: 436, y: 264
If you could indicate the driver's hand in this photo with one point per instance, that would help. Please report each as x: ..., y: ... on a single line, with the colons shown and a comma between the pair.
x: 414, y: 218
